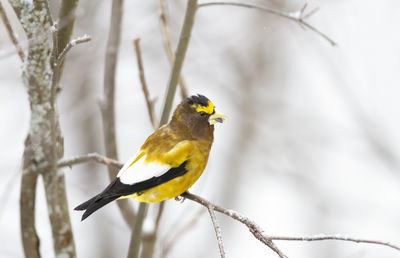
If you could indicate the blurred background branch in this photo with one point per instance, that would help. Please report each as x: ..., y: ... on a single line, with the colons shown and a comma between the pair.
x: 107, y: 105
x: 168, y: 46
x: 11, y: 33
x: 299, y: 17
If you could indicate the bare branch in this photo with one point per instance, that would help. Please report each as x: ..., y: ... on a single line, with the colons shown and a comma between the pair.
x: 298, y: 17
x: 72, y: 43
x: 11, y: 33
x: 66, y: 20
x: 30, y: 239
x: 332, y: 237
x: 149, y: 103
x: 256, y: 230
x: 179, y: 58
x: 217, y: 229
x: 149, y: 239
x: 168, y: 46
x: 91, y: 156
x: 134, y: 244
x: 177, y: 67
x: 107, y: 104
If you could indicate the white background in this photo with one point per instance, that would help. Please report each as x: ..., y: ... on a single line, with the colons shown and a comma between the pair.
x: 311, y: 144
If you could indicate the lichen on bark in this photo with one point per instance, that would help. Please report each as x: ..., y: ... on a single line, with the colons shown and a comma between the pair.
x: 44, y: 142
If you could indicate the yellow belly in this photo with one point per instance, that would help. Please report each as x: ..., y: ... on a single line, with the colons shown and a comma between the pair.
x: 170, y: 189
x: 175, y: 187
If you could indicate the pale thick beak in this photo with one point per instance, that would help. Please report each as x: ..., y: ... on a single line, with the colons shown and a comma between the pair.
x: 217, y: 118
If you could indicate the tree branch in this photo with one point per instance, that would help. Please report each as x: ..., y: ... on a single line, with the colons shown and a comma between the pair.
x: 107, y: 104
x: 322, y: 237
x: 66, y: 19
x: 71, y: 44
x: 11, y: 33
x: 134, y: 245
x: 30, y: 239
x: 168, y: 47
x: 256, y: 230
x: 179, y: 58
x: 176, y: 70
x: 217, y: 229
x: 149, y: 103
x: 298, y: 17
x: 44, y: 142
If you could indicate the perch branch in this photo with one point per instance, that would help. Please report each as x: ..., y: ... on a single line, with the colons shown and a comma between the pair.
x: 149, y: 103
x: 299, y: 17
x: 256, y: 230
x: 217, y: 229
x: 168, y: 46
x: 11, y: 33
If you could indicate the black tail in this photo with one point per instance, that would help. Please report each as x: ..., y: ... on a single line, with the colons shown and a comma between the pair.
x: 94, y: 204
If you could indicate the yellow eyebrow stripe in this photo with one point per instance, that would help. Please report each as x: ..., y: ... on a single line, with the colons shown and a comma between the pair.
x: 209, y: 109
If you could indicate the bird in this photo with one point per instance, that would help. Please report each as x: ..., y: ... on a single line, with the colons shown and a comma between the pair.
x: 169, y: 162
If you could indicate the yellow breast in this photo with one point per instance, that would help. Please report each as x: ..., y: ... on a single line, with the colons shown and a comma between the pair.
x: 195, y: 166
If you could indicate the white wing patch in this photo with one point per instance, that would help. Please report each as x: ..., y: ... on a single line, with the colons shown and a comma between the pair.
x: 140, y: 170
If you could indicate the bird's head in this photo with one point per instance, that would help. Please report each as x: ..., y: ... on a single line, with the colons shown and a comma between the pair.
x: 204, y: 109
x: 198, y: 114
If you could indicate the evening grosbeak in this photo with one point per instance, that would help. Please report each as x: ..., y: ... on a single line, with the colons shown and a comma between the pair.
x: 169, y: 161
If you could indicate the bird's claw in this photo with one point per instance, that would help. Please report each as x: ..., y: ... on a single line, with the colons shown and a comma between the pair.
x: 180, y: 199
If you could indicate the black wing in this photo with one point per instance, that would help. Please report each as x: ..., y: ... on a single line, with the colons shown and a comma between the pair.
x: 117, y: 189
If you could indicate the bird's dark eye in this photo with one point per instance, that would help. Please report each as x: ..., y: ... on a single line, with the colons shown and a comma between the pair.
x: 202, y: 113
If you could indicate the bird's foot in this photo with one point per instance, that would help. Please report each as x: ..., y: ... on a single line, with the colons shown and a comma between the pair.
x: 180, y: 199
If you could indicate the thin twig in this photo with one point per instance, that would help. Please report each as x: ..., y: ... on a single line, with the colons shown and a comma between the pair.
x: 217, y: 229
x: 11, y: 33
x: 332, y: 237
x: 149, y: 103
x: 91, y: 156
x: 168, y: 47
x: 79, y: 160
x: 256, y: 230
x: 72, y: 43
x: 298, y: 17
x: 179, y: 58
